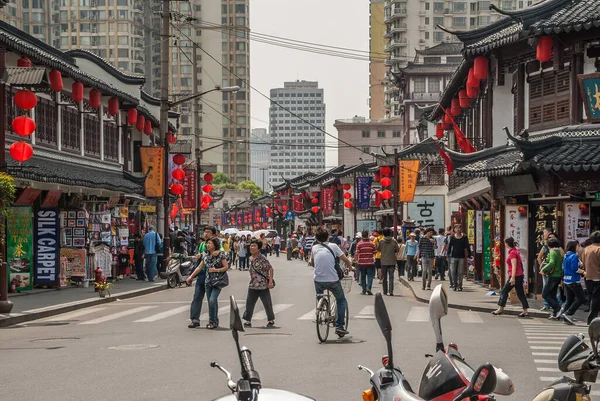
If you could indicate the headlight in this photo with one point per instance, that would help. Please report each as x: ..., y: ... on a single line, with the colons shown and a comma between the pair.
x: 545, y: 395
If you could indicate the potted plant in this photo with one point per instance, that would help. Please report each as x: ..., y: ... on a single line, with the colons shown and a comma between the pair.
x: 103, y: 287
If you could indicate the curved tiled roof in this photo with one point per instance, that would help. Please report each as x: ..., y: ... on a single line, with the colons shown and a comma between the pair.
x: 583, y: 15
x: 146, y: 97
x: 442, y: 49
x: 106, y: 66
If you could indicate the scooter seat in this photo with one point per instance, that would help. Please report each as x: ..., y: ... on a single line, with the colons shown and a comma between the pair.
x: 186, y: 265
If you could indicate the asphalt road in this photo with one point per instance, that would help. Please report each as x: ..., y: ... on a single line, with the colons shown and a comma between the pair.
x: 141, y: 348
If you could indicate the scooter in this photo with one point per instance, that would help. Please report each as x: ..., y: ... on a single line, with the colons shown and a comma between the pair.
x: 577, y: 357
x: 249, y: 387
x: 179, y: 267
x: 447, y: 374
x: 389, y: 383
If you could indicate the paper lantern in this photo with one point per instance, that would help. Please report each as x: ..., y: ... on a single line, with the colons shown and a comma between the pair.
x: 24, y: 62
x: 315, y: 209
x: 480, y: 67
x: 148, y: 127
x: 23, y: 126
x: 77, y: 92
x: 347, y: 195
x: 94, y: 98
x: 284, y: 208
x: 314, y: 194
x: 132, y: 116
x: 113, y: 106
x: 21, y: 151
x: 471, y: 80
x: 314, y: 201
x: 446, y: 119
x: 347, y: 187
x: 472, y: 91
x: 439, y: 131
x: 387, y: 194
x: 205, y: 206
x: 208, y: 177
x: 25, y: 99
x: 171, y: 138
x: 385, y: 171
x: 207, y: 199
x: 177, y: 189
x: 179, y: 159
x: 178, y: 174
x: 348, y: 205
x: 207, y: 188
x: 446, y: 126
x: 386, y: 182
x: 56, y: 81
x: 455, y: 108
x: 463, y: 100
x: 543, y: 52
x: 141, y: 123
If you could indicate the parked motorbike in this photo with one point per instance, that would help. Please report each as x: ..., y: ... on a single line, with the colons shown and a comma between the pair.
x: 577, y: 357
x: 179, y: 267
x: 447, y: 374
x: 389, y: 383
x: 248, y: 387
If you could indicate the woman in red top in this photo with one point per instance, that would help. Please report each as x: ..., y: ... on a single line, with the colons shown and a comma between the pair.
x: 514, y: 266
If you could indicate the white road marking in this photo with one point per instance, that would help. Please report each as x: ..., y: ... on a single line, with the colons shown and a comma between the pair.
x: 73, y: 315
x: 545, y: 342
x: 276, y: 309
x: 309, y: 316
x: 543, y: 347
x: 544, y: 353
x: 548, y: 369
x: 418, y: 314
x: 548, y: 379
x: 545, y: 338
x: 368, y: 312
x: 550, y: 361
x: 118, y: 315
x: 469, y: 317
x: 163, y: 315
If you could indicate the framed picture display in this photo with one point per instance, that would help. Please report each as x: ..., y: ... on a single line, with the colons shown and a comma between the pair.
x: 72, y: 214
x: 68, y: 232
x: 78, y: 242
x: 79, y: 232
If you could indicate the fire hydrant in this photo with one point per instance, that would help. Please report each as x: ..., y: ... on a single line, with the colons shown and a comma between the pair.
x: 98, y: 275
x: 13, y: 285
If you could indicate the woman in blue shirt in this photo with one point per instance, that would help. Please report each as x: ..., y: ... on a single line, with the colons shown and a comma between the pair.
x: 571, y: 279
x: 410, y: 251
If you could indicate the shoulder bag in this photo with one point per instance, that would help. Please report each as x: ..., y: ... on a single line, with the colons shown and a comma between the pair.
x: 262, y: 275
x: 336, y: 265
x: 218, y: 280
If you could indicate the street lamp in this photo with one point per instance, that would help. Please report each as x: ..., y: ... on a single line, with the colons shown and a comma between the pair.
x: 227, y: 89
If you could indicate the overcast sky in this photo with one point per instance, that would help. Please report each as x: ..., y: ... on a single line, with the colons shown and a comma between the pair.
x: 341, y: 23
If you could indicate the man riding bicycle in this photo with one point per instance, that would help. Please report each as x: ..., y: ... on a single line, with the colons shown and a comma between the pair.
x: 326, y: 277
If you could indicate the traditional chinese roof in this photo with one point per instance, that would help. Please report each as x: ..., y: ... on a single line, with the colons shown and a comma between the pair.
x: 582, y: 15
x: 427, y: 69
x: 106, y: 66
x: 148, y: 98
x: 424, y: 151
x: 442, y: 49
x: 22, y: 76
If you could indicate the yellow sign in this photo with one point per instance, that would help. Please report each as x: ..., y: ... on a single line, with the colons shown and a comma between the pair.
x: 153, y: 163
x: 147, y: 209
x: 408, y: 176
x: 471, y: 226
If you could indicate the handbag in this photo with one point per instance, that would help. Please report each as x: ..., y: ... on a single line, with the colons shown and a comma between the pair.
x: 336, y: 266
x: 157, y: 247
x: 218, y: 280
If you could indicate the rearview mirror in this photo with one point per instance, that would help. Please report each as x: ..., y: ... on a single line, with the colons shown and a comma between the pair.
x: 235, y: 321
x: 381, y: 314
x: 482, y: 382
x: 438, y: 303
x: 594, y: 333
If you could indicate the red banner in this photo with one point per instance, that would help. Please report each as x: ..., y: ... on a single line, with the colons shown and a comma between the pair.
x: 297, y: 205
x: 189, y: 189
x: 327, y: 200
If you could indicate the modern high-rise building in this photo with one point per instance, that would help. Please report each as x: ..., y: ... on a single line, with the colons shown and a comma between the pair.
x: 297, y: 145
x: 260, y: 157
x: 377, y: 69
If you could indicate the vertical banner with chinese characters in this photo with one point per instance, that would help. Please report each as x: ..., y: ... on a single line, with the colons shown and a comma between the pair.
x: 327, y: 200
x: 19, y: 236
x: 189, y: 191
x: 577, y: 221
x: 297, y: 205
x: 153, y: 163
x: 479, y: 231
x: 363, y: 192
x: 428, y: 211
x: 515, y: 226
x: 487, y: 248
x: 408, y: 175
x: 471, y: 226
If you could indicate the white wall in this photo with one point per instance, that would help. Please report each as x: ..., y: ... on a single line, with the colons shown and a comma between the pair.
x: 502, y: 111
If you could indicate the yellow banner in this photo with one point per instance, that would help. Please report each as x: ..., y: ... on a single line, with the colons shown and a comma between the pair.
x: 153, y: 163
x: 408, y: 176
x: 147, y: 209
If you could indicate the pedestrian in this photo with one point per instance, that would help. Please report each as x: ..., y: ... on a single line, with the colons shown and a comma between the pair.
x: 179, y: 245
x: 541, y: 260
x: 440, y: 256
x: 335, y: 239
x: 571, y: 280
x: 173, y: 234
x: 309, y: 239
x: 352, y: 253
x: 242, y: 255
x: 378, y: 236
x: 261, y: 283
x: 590, y: 259
x: 459, y: 251
x: 138, y: 257
x: 264, y: 249
x: 400, y: 257
x: 277, y: 244
x: 553, y: 269
x: 215, y: 262
x: 365, y: 252
x: 516, y: 275
x: 200, y: 271
x: 152, y: 246
x: 388, y: 248
x: 234, y: 250
x: 410, y: 251
x: 426, y: 253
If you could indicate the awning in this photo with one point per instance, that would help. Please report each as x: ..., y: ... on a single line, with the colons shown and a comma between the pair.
x: 25, y: 76
x: 384, y: 212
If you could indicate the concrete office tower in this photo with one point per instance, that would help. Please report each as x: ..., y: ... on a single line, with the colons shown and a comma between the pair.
x: 377, y: 69
x: 260, y: 157
x: 296, y: 146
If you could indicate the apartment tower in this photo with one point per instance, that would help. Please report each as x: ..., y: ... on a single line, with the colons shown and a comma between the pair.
x: 260, y: 157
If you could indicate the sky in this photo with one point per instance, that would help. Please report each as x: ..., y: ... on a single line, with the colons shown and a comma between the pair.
x: 341, y: 23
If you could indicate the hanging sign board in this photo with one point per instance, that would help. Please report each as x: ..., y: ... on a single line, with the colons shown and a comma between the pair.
x: 46, y: 260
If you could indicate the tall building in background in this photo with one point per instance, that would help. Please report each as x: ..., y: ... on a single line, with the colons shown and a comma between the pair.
x: 377, y: 69
x: 260, y: 157
x: 296, y: 146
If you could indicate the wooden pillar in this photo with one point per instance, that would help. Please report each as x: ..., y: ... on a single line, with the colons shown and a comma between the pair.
x: 576, y: 101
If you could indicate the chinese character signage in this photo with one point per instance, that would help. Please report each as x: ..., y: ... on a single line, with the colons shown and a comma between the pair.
x: 366, y: 225
x: 327, y: 200
x: 428, y: 211
x: 18, y: 247
x: 297, y: 205
x: 589, y: 86
x: 153, y: 164
x: 363, y: 192
x: 479, y: 231
x: 189, y: 191
x: 577, y: 221
x: 516, y: 227
x: 46, y: 246
x: 487, y: 249
x: 471, y: 226
x: 409, y: 173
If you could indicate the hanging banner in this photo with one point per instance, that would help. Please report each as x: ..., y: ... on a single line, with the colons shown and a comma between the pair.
x: 516, y: 227
x: 487, y: 249
x: 408, y: 176
x: 189, y: 191
x: 297, y: 205
x: 153, y: 163
x: 478, y: 231
x: 327, y: 200
x: 577, y: 221
x: 588, y: 89
x: 19, y: 236
x: 46, y: 261
x: 428, y: 211
x: 363, y: 192
x: 471, y: 226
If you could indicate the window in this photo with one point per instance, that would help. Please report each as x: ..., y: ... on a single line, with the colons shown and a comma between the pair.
x: 366, y: 134
x: 483, y: 5
x: 459, y: 21
x: 433, y: 85
x: 549, y: 104
x: 395, y: 134
x: 426, y: 35
x: 240, y: 8
x: 459, y: 7
x: 380, y: 134
x: 432, y: 60
x: 438, y: 7
x: 426, y: 6
x: 484, y: 20
x: 366, y: 149
x: 438, y: 21
x: 454, y: 59
x: 438, y: 36
x: 240, y: 21
x: 419, y: 85
x: 427, y: 19
x: 123, y: 52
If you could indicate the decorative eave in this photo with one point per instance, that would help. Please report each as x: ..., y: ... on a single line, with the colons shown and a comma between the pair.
x: 132, y: 79
x: 147, y: 114
x: 146, y: 97
x: 584, y: 15
x: 26, y: 76
x: 325, y: 175
x: 357, y: 168
x: 442, y: 49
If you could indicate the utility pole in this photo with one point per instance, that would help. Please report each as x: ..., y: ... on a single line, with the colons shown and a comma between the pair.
x: 198, y: 153
x: 5, y: 305
x: 396, y: 187
x: 165, y: 52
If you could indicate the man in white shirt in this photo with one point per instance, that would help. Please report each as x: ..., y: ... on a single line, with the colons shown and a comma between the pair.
x: 440, y: 255
x: 277, y: 244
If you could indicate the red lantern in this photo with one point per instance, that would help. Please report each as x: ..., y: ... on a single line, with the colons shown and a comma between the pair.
x: 77, y: 92
x: 177, y: 189
x: 25, y: 99
x: 455, y: 108
x: 56, y: 81
x: 472, y: 91
x: 113, y: 106
x: 377, y: 176
x: 94, y: 98
x: 439, y: 131
x: 543, y: 52
x: 207, y: 199
x: 178, y: 174
x: 385, y: 171
x: 480, y: 67
x: 471, y: 80
x: 348, y: 204
x: 205, y: 206
x: 314, y: 201
x: 21, y: 151
x: 171, y: 138
x: 315, y: 209
x: 387, y: 194
x: 446, y: 118
x: 141, y: 123
x: 132, y: 116
x: 208, y: 177
x: 284, y: 208
x: 386, y: 182
x: 314, y: 194
x: 24, y: 62
x: 207, y: 188
x: 23, y: 126
x: 347, y: 195
x: 347, y: 187
x: 179, y: 159
x: 148, y: 127
x: 446, y: 126
x: 463, y: 100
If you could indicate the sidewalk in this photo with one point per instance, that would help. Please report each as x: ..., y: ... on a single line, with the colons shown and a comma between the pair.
x: 40, y: 303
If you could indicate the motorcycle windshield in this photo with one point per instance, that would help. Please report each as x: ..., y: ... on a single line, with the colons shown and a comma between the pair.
x: 270, y: 394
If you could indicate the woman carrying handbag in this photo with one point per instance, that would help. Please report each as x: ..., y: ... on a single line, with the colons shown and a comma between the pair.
x: 261, y: 283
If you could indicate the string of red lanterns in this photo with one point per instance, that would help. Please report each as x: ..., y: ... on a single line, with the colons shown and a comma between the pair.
x: 347, y: 196
x: 24, y: 125
x: 385, y: 182
x: 177, y: 188
x: 206, y: 199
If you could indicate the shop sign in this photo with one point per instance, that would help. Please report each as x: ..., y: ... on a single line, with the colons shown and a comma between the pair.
x: 18, y: 245
x: 577, y: 221
x: 597, y: 196
x: 409, y: 174
x: 589, y: 88
x: 51, y: 199
x: 46, y: 246
x: 147, y: 209
x: 363, y: 192
x: 427, y: 211
x: 516, y: 226
x: 327, y: 200
x: 28, y: 196
x: 366, y: 225
x: 189, y: 191
x: 153, y: 163
x: 471, y: 226
x: 479, y: 231
x: 487, y: 249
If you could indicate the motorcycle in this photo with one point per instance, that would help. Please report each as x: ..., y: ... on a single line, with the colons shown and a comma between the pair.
x: 389, y: 383
x: 577, y: 357
x: 447, y: 374
x: 179, y: 267
x: 248, y: 387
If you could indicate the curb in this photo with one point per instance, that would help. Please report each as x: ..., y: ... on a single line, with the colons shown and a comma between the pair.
x: 26, y: 317
x: 471, y: 308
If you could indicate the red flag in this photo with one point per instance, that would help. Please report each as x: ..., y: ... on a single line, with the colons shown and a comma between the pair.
x: 461, y: 139
x: 447, y: 160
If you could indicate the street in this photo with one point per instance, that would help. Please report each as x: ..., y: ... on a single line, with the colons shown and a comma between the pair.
x: 141, y: 348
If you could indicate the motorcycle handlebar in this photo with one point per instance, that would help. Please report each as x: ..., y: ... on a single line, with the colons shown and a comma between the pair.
x: 230, y: 382
x: 248, y: 367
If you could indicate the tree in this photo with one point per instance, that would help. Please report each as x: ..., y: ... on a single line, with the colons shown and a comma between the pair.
x: 220, y: 178
x: 255, y: 190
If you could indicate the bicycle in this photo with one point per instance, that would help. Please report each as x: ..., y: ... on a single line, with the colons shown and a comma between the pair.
x: 327, y: 310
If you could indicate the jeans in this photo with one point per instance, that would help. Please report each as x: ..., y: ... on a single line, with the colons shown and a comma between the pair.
x: 151, y: 266
x: 276, y: 249
x: 401, y: 266
x: 411, y: 267
x: 199, y: 291
x: 265, y: 298
x: 212, y: 295
x: 366, y: 277
x: 549, y: 293
x: 388, y: 278
x: 595, y: 303
x: 337, y: 291
x: 575, y: 298
x: 242, y: 262
x: 520, y: 292
x: 558, y: 297
x: 427, y: 264
x: 457, y: 267
x: 139, y: 267
x: 440, y: 266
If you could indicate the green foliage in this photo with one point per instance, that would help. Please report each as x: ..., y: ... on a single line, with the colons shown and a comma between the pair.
x: 255, y: 190
x: 7, y: 197
x: 221, y: 178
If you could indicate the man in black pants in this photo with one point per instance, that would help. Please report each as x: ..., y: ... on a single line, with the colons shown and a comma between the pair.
x: 590, y: 258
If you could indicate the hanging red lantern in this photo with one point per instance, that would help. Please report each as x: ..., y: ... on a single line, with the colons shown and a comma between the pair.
x: 455, y: 108
x: 179, y: 159
x: 315, y: 209
x: 113, y: 106
x: 472, y: 91
x: 347, y: 187
x: 171, y: 138
x: 141, y: 123
x: 377, y: 176
x: 439, y: 131
x: 463, y: 100
x: 178, y: 174
x: 347, y: 195
x: 446, y: 118
x: 386, y: 182
x: 207, y: 199
x: 314, y: 194
x: 205, y: 206
x: 314, y: 201
x: 471, y: 80
x: 386, y: 194
x: 208, y: 177
x: 480, y: 67
x: 207, y: 188
x: 284, y: 208
x: 348, y: 205
x: 94, y: 98
x: 23, y: 126
x: 77, y: 92
x: 446, y: 126
x: 543, y: 52
x: 148, y: 127
x: 132, y: 116
x: 56, y: 81
x: 385, y: 171
x: 21, y: 151
x: 25, y: 99
x: 177, y: 189
x: 24, y: 62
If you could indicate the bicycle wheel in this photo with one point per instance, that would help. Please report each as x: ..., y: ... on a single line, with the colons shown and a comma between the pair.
x: 322, y: 320
x: 347, y: 315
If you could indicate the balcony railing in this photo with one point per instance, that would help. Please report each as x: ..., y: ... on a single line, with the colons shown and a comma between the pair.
x: 455, y: 181
x: 434, y: 174
x: 400, y: 11
x: 425, y: 95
